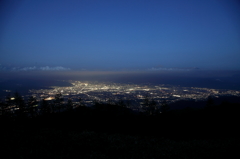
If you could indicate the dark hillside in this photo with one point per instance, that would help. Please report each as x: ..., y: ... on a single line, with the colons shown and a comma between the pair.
x: 99, y: 130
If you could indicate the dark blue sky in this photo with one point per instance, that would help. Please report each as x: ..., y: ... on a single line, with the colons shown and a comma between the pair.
x: 117, y: 34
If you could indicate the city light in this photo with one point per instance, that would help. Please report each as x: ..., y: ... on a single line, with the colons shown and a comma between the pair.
x: 90, y: 91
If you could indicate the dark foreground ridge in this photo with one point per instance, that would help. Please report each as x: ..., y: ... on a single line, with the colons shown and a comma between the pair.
x: 114, y: 131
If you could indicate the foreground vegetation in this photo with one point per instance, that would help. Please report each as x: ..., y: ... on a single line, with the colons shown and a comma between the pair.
x: 51, y: 143
x: 114, y: 131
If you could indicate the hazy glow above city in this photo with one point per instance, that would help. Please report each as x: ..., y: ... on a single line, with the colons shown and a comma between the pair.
x: 183, y: 79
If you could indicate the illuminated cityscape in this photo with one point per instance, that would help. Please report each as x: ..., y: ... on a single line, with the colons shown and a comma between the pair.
x: 133, y: 94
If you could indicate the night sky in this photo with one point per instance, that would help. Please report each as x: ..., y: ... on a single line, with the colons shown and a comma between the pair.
x: 119, y: 34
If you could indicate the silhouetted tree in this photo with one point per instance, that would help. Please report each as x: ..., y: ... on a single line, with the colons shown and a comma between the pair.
x: 210, y: 101
x: 45, y: 107
x: 96, y: 102
x: 81, y: 102
x: 69, y: 104
x: 110, y: 101
x: 121, y: 103
x: 19, y: 102
x: 3, y: 107
x: 146, y: 102
x: 128, y: 103
x: 8, y: 99
x: 9, y: 105
x: 32, y: 101
x: 152, y: 107
x: 164, y: 106
x: 58, y: 101
x: 149, y: 105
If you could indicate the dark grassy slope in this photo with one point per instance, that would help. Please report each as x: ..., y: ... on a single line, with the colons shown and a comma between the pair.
x: 50, y: 143
x: 107, y: 131
x: 187, y: 123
